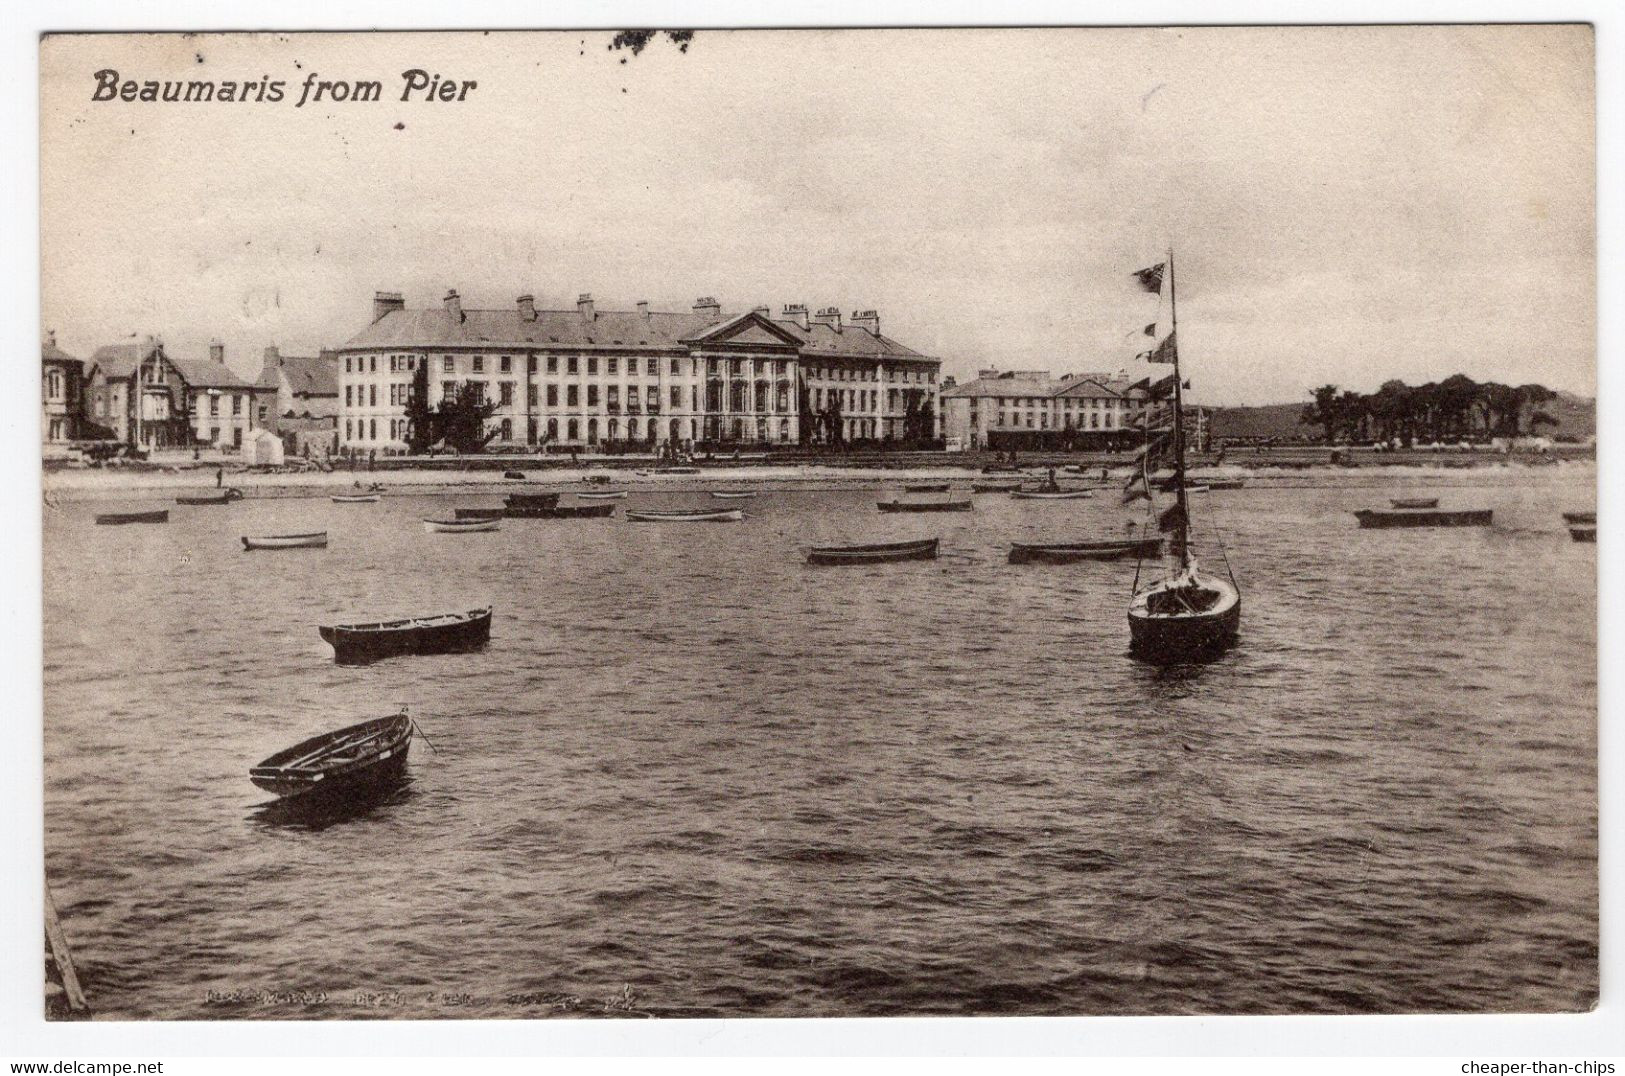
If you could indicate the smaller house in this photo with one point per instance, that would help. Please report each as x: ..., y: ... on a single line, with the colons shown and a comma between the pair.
x: 61, y: 393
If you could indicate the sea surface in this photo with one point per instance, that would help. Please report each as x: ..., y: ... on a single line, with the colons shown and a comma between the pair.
x: 692, y: 776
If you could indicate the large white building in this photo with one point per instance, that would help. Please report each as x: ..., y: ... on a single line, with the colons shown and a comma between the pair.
x: 587, y: 377
x: 1031, y: 409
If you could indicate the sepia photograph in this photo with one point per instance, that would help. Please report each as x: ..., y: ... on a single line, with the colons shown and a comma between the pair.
x: 823, y: 522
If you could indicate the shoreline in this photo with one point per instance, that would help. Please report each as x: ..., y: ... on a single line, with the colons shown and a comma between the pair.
x: 88, y: 485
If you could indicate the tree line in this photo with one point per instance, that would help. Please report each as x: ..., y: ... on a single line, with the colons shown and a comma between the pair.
x: 1455, y: 409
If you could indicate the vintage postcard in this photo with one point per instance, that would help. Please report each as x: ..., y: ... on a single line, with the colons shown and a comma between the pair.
x: 818, y: 523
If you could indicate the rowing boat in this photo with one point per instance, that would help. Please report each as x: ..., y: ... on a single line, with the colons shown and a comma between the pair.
x: 1050, y: 494
x: 927, y: 487
x: 531, y: 500
x: 344, y: 761
x: 357, y: 644
x: 605, y: 495
x: 114, y: 519
x: 925, y: 549
x: 1583, y: 532
x: 518, y: 476
x: 224, y: 497
x: 687, y: 515
x: 1424, y: 517
x: 1414, y: 502
x: 478, y: 513
x: 1071, y: 552
x: 562, y: 511
x: 733, y: 494
x: 1581, y: 518
x: 994, y: 487
x: 353, y: 498
x: 923, y: 506
x: 1226, y: 483
x: 313, y: 540
x: 461, y: 526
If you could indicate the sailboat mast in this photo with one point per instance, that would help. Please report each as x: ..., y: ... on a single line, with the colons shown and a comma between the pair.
x: 1182, y: 530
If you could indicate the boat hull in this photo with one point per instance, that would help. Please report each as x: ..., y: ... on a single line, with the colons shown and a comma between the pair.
x: 357, y: 498
x: 361, y: 644
x: 874, y: 554
x: 927, y: 487
x: 381, y: 762
x: 1424, y: 517
x: 317, y: 540
x: 607, y: 495
x: 733, y: 495
x: 477, y: 525
x: 724, y: 515
x: 569, y: 511
x: 1167, y: 639
x: 199, y: 502
x: 994, y: 487
x: 1585, y: 519
x: 119, y: 519
x: 1582, y: 533
x: 478, y: 513
x: 1414, y: 502
x: 1073, y: 552
x: 1050, y: 494
x: 923, y: 506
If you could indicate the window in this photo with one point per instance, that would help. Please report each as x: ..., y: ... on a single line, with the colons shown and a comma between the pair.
x: 449, y: 366
x: 614, y: 428
x: 507, y: 394
x: 237, y: 437
x: 676, y: 396
x: 530, y: 396
x: 372, y: 429
x: 611, y: 366
x: 592, y: 431
x: 613, y: 397
x: 347, y: 400
x: 592, y: 364
x: 214, y: 405
x: 676, y: 369
x: 507, y: 429
x: 552, y: 429
x: 570, y: 367
x: 236, y: 404
x: 374, y: 364
x: 571, y: 398
x: 652, y: 396
x: 476, y: 389
x: 505, y: 366
x: 479, y: 364
x: 592, y: 395
x: 573, y: 430
x: 347, y: 364
x: 372, y: 395
x: 552, y: 395
x: 552, y: 364
x: 653, y: 368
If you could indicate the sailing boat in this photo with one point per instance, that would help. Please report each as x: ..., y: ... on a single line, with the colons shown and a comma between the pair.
x: 1190, y: 613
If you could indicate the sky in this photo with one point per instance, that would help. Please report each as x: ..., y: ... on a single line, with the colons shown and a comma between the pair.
x: 1345, y: 205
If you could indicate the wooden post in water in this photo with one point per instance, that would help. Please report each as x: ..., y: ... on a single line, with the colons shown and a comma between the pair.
x: 63, y: 958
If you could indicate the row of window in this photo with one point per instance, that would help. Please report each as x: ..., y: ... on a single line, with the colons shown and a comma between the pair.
x: 1019, y: 419
x: 361, y: 364
x: 396, y: 429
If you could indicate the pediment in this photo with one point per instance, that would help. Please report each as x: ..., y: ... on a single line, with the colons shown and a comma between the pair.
x: 746, y: 330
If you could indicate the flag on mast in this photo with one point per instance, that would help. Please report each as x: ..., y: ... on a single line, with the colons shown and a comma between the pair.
x: 1165, y: 352
x: 1151, y: 279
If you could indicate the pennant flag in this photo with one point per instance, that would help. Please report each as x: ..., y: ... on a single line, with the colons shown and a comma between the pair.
x: 1150, y: 418
x: 1151, y: 329
x: 1163, y: 389
x: 1172, y: 519
x: 1151, y: 279
x: 1167, y: 351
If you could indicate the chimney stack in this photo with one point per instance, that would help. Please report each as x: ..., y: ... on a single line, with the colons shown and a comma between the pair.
x: 584, y: 304
x: 385, y: 301
x: 796, y: 312
x: 50, y: 337
x: 764, y: 311
x: 527, y: 307
x: 454, y: 305
x: 867, y: 319
x: 643, y: 309
x: 217, y: 351
x: 831, y: 316
x: 707, y: 307
x: 272, y: 356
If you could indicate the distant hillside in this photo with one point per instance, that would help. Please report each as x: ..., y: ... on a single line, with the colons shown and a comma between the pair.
x: 1576, y: 418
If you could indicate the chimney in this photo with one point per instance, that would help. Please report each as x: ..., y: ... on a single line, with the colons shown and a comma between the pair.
x: 454, y: 306
x: 50, y: 337
x: 831, y: 316
x: 272, y: 356
x: 527, y: 307
x: 643, y: 309
x: 584, y: 304
x: 707, y: 307
x: 385, y: 301
x: 796, y: 312
x: 217, y: 352
x: 763, y: 311
x: 867, y: 319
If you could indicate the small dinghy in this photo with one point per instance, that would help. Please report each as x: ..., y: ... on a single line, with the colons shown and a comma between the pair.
x: 997, y: 468
x: 461, y: 526
x: 561, y: 511
x: 923, y: 506
x: 670, y: 470
x: 224, y: 497
x: 517, y: 476
x: 927, y: 487
x: 115, y: 519
x: 313, y: 540
x: 478, y: 513
x: 531, y: 500
x: 1583, y: 532
x: 1226, y: 483
x: 874, y: 554
x: 687, y: 515
x: 603, y: 495
x: 1414, y: 502
x: 1050, y: 494
x: 994, y: 487
x: 448, y: 633
x: 1584, y: 519
x: 1424, y: 517
x: 353, y: 498
x: 733, y: 494
x: 346, y: 761
x: 1072, y: 552
x: 1183, y: 617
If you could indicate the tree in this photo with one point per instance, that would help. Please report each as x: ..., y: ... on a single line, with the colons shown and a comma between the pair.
x: 420, y: 427
x: 1323, y: 412
x: 462, y: 418
x: 808, y: 418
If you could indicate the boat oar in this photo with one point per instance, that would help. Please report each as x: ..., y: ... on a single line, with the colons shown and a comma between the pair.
x: 419, y: 731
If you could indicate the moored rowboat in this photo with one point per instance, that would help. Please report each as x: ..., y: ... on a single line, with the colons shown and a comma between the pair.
x: 114, y: 519
x: 476, y: 525
x: 478, y: 513
x: 733, y: 494
x: 1050, y: 494
x: 1414, y: 502
x: 994, y: 487
x: 224, y: 497
x: 355, y: 644
x: 605, y: 495
x: 1581, y: 532
x: 927, y: 487
x: 1226, y: 483
x: 1582, y: 518
x: 925, y: 549
x: 565, y: 511
x: 518, y: 476
x: 1424, y: 517
x: 923, y: 506
x: 1071, y: 552
x: 353, y: 498
x: 687, y: 515
x: 313, y: 540
x: 347, y: 760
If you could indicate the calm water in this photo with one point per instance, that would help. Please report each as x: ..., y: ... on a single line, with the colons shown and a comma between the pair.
x: 693, y: 772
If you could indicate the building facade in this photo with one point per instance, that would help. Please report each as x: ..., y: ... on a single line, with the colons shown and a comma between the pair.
x: 632, y: 380
x: 61, y: 393
x: 1029, y: 409
x: 183, y: 403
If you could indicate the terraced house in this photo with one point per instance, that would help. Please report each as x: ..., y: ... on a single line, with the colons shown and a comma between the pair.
x: 589, y: 378
x: 184, y: 403
x: 1029, y: 409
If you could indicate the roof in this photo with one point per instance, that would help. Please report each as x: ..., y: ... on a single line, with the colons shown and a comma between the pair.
x: 118, y: 360
x: 431, y: 328
x: 1085, y: 386
x: 308, y: 375
x: 208, y: 374
x: 49, y: 352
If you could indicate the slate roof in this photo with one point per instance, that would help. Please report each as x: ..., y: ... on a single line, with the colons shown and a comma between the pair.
x: 1106, y: 385
x: 118, y: 360
x: 49, y: 352
x: 308, y: 375
x: 431, y: 328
